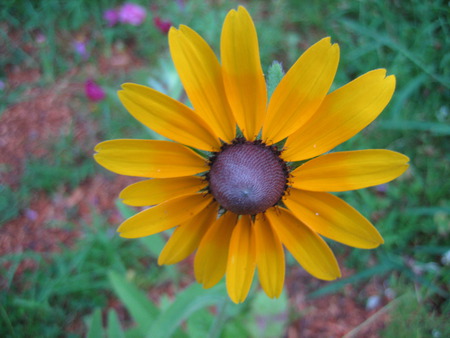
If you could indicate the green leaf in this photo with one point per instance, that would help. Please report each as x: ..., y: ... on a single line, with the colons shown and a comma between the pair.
x: 365, y: 274
x: 154, y: 244
x: 432, y: 127
x: 141, y: 309
x: 187, y: 302
x: 199, y: 323
x: 268, y: 317
x: 95, y: 328
x: 124, y: 210
x: 274, y: 76
x: 114, y: 328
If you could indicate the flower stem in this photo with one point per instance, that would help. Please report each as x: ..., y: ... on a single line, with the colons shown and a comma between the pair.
x: 220, y: 320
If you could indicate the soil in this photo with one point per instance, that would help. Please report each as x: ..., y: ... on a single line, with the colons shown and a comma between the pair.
x: 44, y: 113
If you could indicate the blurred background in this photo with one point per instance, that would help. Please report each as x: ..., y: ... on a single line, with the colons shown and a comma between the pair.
x: 63, y: 269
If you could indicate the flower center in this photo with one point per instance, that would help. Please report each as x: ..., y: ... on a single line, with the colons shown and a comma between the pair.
x: 247, y: 177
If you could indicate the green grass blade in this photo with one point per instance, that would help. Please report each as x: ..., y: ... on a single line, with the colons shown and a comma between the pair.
x: 187, y: 302
x: 358, y: 277
x: 95, y: 328
x: 141, y: 309
x: 432, y: 127
x: 114, y: 329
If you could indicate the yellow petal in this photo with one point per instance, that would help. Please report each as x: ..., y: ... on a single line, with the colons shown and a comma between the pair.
x: 164, y: 216
x: 242, y: 73
x: 333, y: 218
x: 187, y: 236
x: 269, y: 257
x: 241, y: 260
x: 168, y: 117
x: 201, y: 75
x: 301, y: 91
x: 148, y: 158
x: 211, y: 258
x: 349, y: 170
x: 305, y: 245
x: 158, y: 190
x: 342, y: 115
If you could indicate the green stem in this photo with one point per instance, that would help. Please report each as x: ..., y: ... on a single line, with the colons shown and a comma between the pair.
x: 220, y: 320
x: 4, y: 315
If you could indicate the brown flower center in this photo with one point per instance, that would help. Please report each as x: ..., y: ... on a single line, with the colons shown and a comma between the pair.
x: 247, y: 177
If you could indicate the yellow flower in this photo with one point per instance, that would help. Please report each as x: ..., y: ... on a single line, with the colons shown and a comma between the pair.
x: 236, y: 200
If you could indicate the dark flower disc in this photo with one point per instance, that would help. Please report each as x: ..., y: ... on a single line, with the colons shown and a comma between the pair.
x: 247, y: 177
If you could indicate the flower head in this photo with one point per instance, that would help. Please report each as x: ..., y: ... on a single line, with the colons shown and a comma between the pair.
x: 243, y: 195
x: 132, y: 14
x: 93, y: 91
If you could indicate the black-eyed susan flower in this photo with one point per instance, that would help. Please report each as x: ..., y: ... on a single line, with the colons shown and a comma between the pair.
x: 226, y: 182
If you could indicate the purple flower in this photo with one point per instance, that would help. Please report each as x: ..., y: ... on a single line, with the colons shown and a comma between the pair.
x: 162, y: 25
x: 80, y: 48
x: 382, y: 188
x: 132, y: 14
x: 31, y: 214
x: 40, y: 38
x: 111, y: 16
x: 93, y: 91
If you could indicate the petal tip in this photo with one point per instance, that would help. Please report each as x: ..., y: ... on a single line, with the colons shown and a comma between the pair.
x: 326, y: 40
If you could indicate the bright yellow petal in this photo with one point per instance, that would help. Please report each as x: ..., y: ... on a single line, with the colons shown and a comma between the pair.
x: 301, y: 91
x: 187, y: 236
x: 241, y: 260
x: 333, y: 218
x: 211, y: 258
x: 168, y: 117
x: 148, y: 158
x: 269, y: 257
x: 243, y: 76
x: 158, y: 190
x: 201, y: 75
x: 349, y: 170
x: 164, y: 216
x: 342, y: 115
x: 305, y: 245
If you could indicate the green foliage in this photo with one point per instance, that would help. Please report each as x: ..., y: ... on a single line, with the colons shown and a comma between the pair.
x: 68, y: 164
x: 417, y: 319
x: 269, y: 317
x: 192, y: 306
x: 274, y: 76
x: 58, y: 288
x: 9, y: 203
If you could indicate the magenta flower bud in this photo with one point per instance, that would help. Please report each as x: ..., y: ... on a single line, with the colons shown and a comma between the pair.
x: 111, y: 16
x: 162, y: 25
x: 132, y: 14
x: 93, y: 91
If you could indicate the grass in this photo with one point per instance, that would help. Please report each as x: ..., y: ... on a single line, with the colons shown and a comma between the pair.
x: 412, y: 213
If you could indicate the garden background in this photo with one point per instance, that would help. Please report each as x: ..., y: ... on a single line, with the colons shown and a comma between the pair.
x: 64, y: 271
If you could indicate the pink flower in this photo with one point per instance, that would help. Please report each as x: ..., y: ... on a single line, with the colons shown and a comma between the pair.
x: 40, y: 38
x: 132, y: 14
x: 93, y: 91
x: 162, y: 25
x: 111, y: 16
